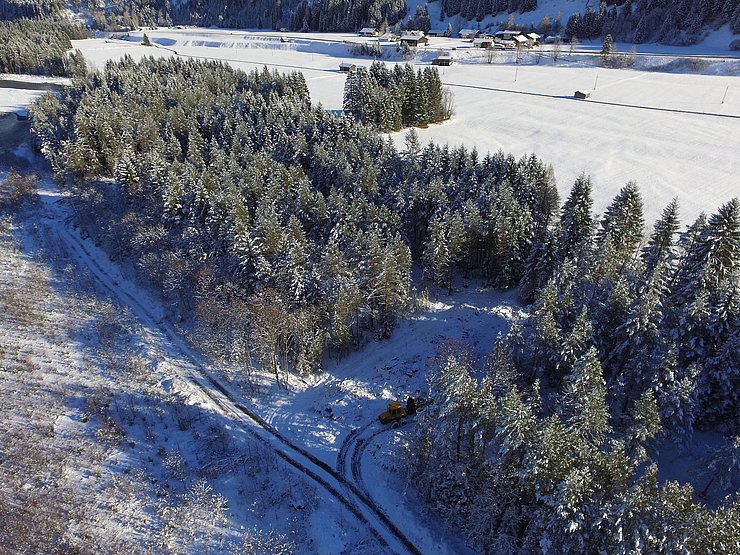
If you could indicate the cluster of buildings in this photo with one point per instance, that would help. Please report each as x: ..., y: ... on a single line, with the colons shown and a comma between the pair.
x: 499, y: 39
x: 411, y: 38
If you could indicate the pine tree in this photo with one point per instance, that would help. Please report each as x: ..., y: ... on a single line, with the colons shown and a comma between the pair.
x: 706, y: 284
x: 607, y: 49
x: 545, y: 332
x: 623, y: 224
x: 719, y: 248
x: 538, y: 269
x: 676, y: 393
x: 718, y: 391
x: 660, y: 247
x: 645, y: 426
x: 508, y: 239
x: 583, y: 402
x: 575, y: 345
x: 638, y: 338
x: 351, y: 104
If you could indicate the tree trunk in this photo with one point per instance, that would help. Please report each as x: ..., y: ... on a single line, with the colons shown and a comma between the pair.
x: 459, y: 440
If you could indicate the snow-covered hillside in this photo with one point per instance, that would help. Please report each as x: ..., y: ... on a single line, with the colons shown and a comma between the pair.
x: 109, y: 442
x: 125, y: 390
x: 184, y: 452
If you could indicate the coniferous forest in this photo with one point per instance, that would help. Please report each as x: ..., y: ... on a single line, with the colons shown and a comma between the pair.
x: 289, y: 235
x: 41, y: 47
x: 11, y: 10
x: 390, y: 100
x: 636, y: 21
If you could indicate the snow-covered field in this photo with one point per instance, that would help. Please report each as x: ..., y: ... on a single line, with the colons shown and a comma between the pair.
x: 677, y: 134
x: 18, y: 91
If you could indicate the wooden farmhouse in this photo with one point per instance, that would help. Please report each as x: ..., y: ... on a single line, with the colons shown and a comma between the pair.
x: 533, y: 39
x: 442, y: 60
x: 506, y: 35
x: 347, y: 67
x: 520, y: 41
x: 414, y: 38
x: 368, y: 32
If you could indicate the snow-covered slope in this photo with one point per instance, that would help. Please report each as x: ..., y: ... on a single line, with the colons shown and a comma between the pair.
x: 112, y: 441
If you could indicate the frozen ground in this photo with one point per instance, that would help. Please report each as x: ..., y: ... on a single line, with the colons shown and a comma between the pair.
x: 676, y: 133
x: 18, y: 91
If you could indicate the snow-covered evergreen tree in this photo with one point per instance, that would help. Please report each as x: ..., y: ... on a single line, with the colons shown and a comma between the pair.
x: 583, y: 403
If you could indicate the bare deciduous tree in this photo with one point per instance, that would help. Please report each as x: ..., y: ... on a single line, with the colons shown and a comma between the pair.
x: 491, y: 54
x: 557, y: 49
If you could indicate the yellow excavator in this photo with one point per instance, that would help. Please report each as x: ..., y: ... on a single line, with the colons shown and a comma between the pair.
x: 397, y: 413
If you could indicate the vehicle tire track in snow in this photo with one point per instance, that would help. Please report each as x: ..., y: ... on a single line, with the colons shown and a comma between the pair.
x: 344, y: 449
x: 357, y: 502
x: 351, y: 451
x: 357, y: 455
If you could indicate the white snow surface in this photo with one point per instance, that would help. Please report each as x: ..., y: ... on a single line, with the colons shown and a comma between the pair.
x: 676, y: 132
x: 16, y: 94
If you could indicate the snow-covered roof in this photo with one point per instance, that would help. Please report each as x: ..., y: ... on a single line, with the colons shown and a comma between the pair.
x: 412, y: 34
x: 367, y: 30
x: 507, y: 32
x: 468, y: 32
x: 533, y: 36
x: 553, y: 38
x: 519, y: 38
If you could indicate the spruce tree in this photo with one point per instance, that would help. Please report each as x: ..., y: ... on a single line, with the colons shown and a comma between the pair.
x: 607, y: 49
x: 661, y: 245
x: 576, y: 226
x: 623, y: 224
x: 583, y: 401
